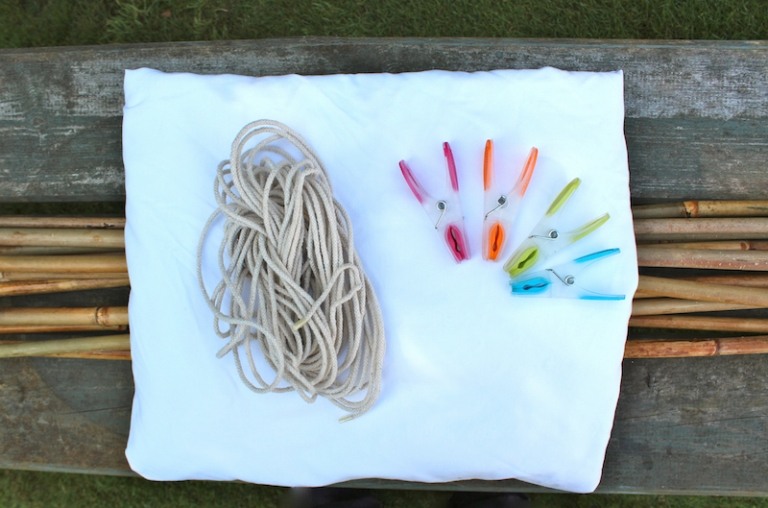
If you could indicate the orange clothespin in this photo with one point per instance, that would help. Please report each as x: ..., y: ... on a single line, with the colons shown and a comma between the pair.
x: 501, y: 207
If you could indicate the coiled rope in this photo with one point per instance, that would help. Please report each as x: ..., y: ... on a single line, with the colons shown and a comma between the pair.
x: 292, y: 287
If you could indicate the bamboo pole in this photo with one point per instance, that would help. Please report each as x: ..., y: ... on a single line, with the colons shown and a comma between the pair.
x: 76, y: 263
x: 738, y: 228
x: 723, y: 245
x: 653, y: 256
x: 659, y: 211
x: 692, y: 290
x: 22, y: 221
x: 116, y: 354
x: 725, y: 324
x: 64, y: 316
x: 30, y: 276
x: 727, y: 208
x: 117, y: 347
x: 19, y: 349
x: 17, y: 288
x: 32, y: 329
x: 52, y: 251
x: 61, y: 319
x: 645, y: 348
x: 658, y: 306
x: 703, y: 208
x: 747, y: 280
x: 50, y: 237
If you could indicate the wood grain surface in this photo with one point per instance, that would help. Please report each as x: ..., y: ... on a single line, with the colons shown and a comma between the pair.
x: 696, y: 127
x: 696, y: 112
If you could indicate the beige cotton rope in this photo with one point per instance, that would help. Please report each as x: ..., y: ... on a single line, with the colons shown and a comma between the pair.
x: 293, y: 292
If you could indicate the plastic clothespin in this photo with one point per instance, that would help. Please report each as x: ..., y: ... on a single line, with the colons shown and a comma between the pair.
x: 445, y: 214
x: 564, y: 280
x: 547, y: 239
x: 500, y: 208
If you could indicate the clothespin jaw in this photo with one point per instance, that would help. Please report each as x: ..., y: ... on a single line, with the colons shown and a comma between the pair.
x: 444, y: 214
x: 547, y: 238
x: 564, y: 280
x: 501, y: 207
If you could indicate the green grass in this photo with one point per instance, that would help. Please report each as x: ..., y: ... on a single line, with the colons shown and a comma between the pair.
x: 26, y: 489
x: 30, y: 489
x: 62, y: 22
x: 77, y: 22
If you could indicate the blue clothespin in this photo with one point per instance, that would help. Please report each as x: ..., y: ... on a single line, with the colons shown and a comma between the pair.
x: 564, y: 280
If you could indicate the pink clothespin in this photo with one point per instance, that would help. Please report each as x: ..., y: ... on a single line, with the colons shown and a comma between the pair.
x: 445, y: 214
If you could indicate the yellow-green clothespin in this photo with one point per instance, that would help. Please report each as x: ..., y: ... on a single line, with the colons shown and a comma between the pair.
x: 547, y: 239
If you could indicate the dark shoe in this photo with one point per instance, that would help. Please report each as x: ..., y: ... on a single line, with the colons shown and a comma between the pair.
x: 488, y: 500
x: 331, y: 497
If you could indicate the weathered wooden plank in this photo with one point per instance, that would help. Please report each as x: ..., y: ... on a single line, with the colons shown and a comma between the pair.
x: 695, y: 426
x: 697, y: 125
x: 697, y: 158
x: 665, y: 78
x: 67, y: 158
x: 60, y: 108
x: 682, y: 426
x: 670, y: 159
x: 67, y: 415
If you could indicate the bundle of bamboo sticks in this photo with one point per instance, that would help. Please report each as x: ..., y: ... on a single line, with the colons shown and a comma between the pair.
x: 61, y: 254
x: 40, y: 255
x: 715, y: 252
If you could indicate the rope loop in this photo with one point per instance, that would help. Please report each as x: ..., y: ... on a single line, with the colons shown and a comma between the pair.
x: 293, y: 293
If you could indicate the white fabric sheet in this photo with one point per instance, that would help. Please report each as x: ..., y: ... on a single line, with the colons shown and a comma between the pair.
x: 477, y: 384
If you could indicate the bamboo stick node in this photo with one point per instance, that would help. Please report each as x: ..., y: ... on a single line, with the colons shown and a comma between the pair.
x: 51, y: 237
x: 652, y: 348
x: 62, y: 319
x: 703, y: 208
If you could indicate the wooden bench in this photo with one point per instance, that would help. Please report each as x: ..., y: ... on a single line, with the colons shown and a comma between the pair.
x: 696, y: 127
